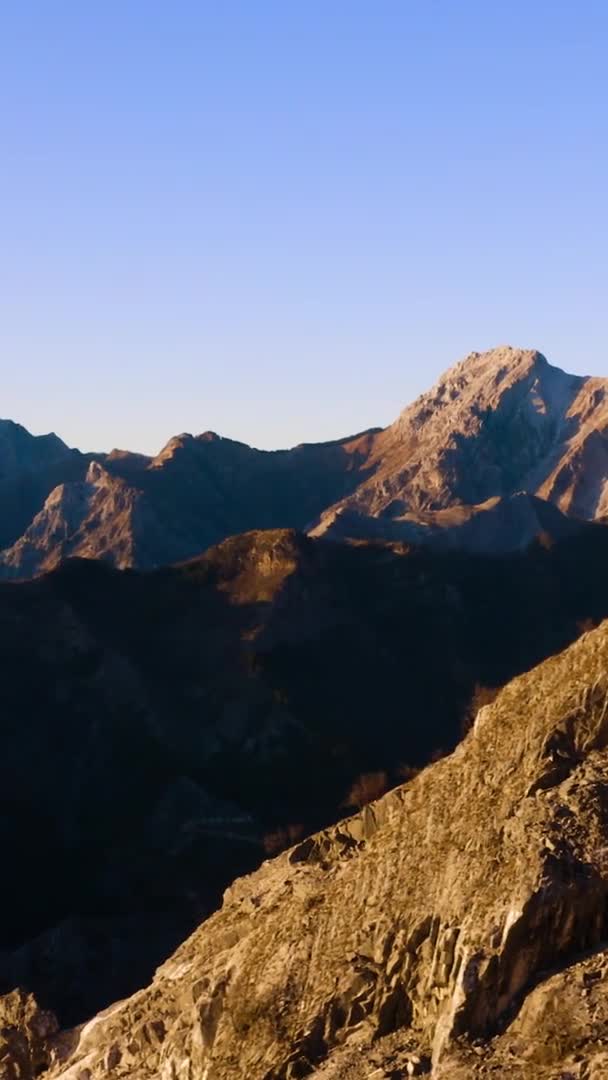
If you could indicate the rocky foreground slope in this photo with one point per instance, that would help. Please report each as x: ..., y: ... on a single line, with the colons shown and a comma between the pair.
x: 459, y: 923
x: 161, y: 731
x: 470, y: 464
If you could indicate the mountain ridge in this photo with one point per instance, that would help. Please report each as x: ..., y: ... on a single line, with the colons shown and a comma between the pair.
x: 494, y: 425
x: 490, y: 426
x: 165, y: 728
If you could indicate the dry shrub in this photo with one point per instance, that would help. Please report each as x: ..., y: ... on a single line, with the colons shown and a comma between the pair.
x: 545, y: 540
x: 283, y: 837
x: 438, y: 754
x: 482, y: 695
x: 366, y: 788
x: 407, y: 772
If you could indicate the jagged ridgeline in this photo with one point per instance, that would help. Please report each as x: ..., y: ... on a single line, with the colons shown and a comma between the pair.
x: 458, y: 922
x: 164, y: 728
x: 504, y: 447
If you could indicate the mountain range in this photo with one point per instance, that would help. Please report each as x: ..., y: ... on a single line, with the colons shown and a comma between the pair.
x: 162, y: 731
x: 503, y: 448
x: 381, y: 661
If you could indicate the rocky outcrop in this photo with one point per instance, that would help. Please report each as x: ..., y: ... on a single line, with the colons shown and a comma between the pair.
x: 417, y: 931
x: 26, y: 1035
x: 559, y: 1032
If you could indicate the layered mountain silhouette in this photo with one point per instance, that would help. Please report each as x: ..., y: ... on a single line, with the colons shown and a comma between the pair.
x: 220, y: 652
x: 136, y: 511
x: 466, y: 465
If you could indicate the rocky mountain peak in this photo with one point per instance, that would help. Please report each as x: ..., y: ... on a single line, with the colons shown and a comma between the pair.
x: 501, y: 356
x: 481, y: 380
x: 495, y: 423
x: 499, y: 362
x: 176, y: 445
x: 19, y: 450
x: 209, y: 436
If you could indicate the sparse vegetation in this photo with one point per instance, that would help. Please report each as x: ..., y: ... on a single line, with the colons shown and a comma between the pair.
x: 482, y: 695
x: 284, y: 837
x: 406, y: 772
x: 545, y: 540
x: 366, y: 788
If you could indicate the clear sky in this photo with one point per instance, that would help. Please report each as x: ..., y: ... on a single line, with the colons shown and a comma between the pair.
x: 282, y: 220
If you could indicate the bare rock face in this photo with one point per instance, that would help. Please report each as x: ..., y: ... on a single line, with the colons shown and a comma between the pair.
x: 103, y: 516
x: 164, y: 732
x: 415, y: 932
x: 135, y: 511
x: 30, y: 467
x: 497, y: 423
x: 26, y: 1033
x: 481, y: 429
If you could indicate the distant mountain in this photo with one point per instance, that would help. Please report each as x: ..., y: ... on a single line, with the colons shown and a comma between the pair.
x: 454, y: 928
x: 496, y: 424
x: 465, y: 465
x: 498, y: 526
x: 161, y: 732
x: 30, y: 467
x: 136, y: 511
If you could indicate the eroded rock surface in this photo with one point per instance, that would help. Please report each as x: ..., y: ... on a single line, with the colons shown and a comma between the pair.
x: 26, y: 1036
x: 423, y: 929
x: 494, y: 425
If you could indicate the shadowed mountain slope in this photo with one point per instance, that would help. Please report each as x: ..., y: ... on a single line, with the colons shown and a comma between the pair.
x: 136, y: 511
x: 160, y: 730
x: 466, y: 906
x: 30, y: 467
x: 498, y: 526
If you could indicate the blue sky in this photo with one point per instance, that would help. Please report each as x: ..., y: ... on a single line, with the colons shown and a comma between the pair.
x: 282, y: 220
